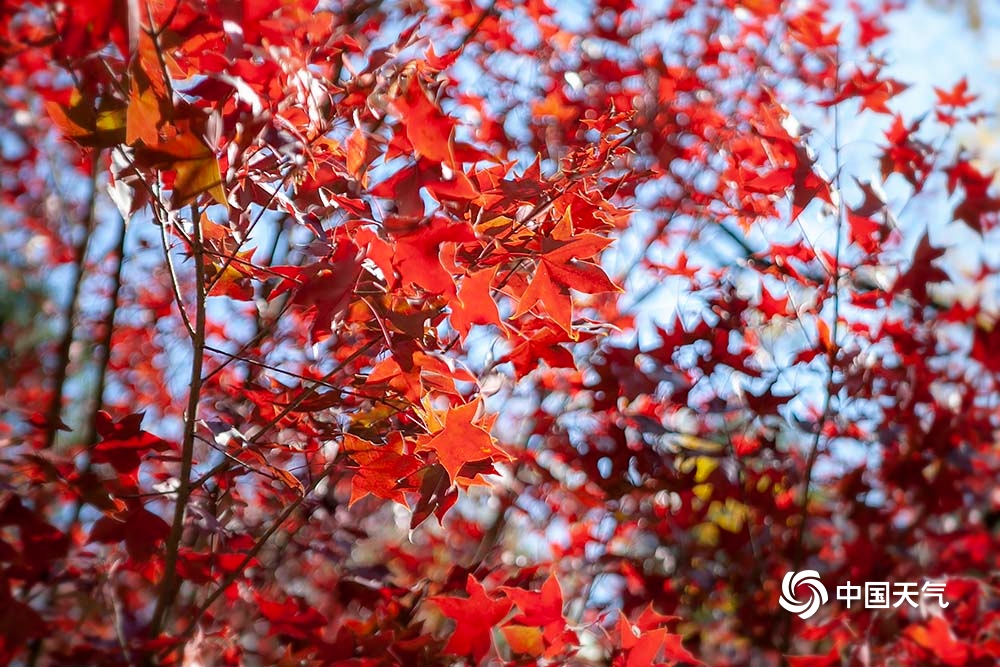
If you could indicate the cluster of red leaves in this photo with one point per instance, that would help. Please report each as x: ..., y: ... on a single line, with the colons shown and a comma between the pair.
x: 338, y: 268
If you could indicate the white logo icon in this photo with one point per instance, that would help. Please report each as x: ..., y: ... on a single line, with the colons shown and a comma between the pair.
x: 817, y: 597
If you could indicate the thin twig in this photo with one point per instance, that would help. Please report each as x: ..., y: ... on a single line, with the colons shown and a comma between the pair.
x: 832, y: 353
x: 237, y: 572
x: 174, y: 283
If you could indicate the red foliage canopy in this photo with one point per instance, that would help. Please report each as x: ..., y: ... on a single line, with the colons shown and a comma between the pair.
x: 405, y: 333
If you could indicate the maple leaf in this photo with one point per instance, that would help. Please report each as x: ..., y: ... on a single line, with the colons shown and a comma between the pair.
x: 551, y: 287
x: 936, y: 637
x: 192, y: 168
x: 793, y: 164
x: 445, y: 184
x: 381, y: 469
x: 524, y: 639
x: 541, y: 607
x: 86, y: 122
x: 18, y: 621
x: 40, y: 420
x: 418, y: 255
x: 984, y: 339
x: 141, y: 530
x: 427, y: 128
x: 461, y: 441
x: 123, y: 443
x: 541, y: 611
x: 870, y: 26
x: 643, y: 644
x: 475, y: 617
x: 772, y: 306
x: 540, y: 343
x: 143, y: 115
x: 357, y: 154
x: 326, y: 287
x: 921, y: 271
x: 41, y: 542
x: 292, y: 618
x: 905, y: 154
x: 864, y: 231
x: 565, y: 244
x: 873, y: 91
x: 977, y: 203
x: 475, y: 304
x: 436, y: 494
x: 807, y: 28
x: 831, y: 659
x: 149, y: 104
x: 958, y: 97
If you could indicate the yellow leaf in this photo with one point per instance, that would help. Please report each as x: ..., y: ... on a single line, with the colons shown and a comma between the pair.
x: 102, y: 126
x: 707, y: 534
x: 196, y: 176
x: 729, y: 516
x: 702, y: 492
x: 695, y: 444
x: 195, y: 167
x: 110, y: 121
x: 704, y: 467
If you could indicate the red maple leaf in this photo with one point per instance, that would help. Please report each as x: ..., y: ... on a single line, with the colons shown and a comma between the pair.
x: 643, y: 642
x: 922, y: 271
x: 551, y: 286
x: 873, y: 90
x: 475, y: 618
x: 380, y: 469
x: 418, y: 255
x: 141, y: 530
x: 325, y: 288
x: 978, y: 203
x: 123, y: 443
x: 542, y: 610
x: 957, y: 97
x: 475, y: 304
x: 937, y: 639
x: 427, y: 127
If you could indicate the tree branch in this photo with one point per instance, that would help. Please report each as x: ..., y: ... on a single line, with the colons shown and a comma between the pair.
x: 54, y: 410
x: 169, y: 584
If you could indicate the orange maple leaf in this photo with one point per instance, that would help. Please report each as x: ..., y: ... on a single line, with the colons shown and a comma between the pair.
x: 461, y: 441
x: 381, y: 467
x: 551, y: 286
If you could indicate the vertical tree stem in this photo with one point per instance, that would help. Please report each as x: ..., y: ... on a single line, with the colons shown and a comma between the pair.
x: 798, y: 546
x: 109, y: 328
x: 54, y: 410
x: 169, y: 584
